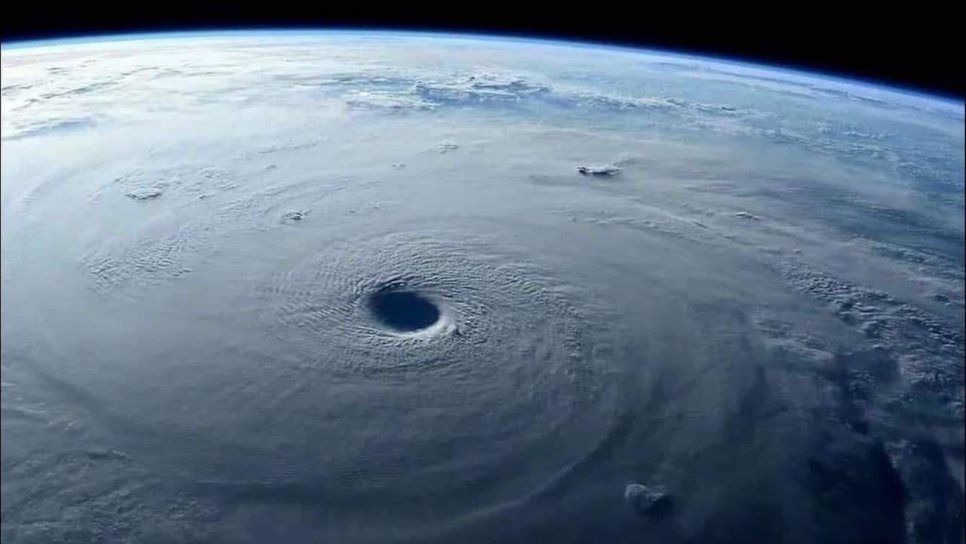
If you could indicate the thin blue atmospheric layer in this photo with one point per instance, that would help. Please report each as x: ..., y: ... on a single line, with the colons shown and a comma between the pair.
x: 786, y: 70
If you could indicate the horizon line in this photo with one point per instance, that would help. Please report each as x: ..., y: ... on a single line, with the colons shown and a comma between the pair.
x: 683, y: 52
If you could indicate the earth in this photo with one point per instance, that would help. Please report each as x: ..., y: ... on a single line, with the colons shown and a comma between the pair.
x: 391, y: 287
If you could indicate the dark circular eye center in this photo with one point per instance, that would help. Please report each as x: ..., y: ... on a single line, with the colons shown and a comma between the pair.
x: 403, y: 311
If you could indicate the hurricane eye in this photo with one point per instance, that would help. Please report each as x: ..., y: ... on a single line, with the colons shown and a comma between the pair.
x: 403, y: 311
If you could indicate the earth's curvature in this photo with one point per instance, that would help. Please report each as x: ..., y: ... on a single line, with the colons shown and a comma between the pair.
x: 376, y: 287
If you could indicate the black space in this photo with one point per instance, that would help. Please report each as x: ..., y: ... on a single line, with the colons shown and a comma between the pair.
x: 915, y: 47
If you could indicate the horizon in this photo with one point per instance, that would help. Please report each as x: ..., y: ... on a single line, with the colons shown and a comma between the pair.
x: 836, y: 78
